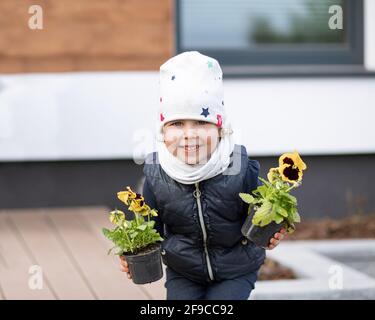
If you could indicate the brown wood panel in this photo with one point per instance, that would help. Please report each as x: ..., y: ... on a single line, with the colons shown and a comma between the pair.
x: 86, y: 35
x: 51, y: 254
x: 91, y: 255
x: 96, y: 219
x: 69, y: 246
x: 15, y: 264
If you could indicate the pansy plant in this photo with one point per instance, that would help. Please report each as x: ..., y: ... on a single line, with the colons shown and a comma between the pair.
x: 130, y: 236
x: 272, y: 200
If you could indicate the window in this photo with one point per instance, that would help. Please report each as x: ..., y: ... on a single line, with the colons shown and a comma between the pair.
x: 273, y: 36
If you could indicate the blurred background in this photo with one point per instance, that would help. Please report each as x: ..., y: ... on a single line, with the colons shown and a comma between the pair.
x: 79, y: 98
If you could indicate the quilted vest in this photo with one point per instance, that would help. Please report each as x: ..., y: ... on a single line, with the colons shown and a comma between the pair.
x: 202, y: 221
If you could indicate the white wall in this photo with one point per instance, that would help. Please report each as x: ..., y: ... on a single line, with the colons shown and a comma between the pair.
x: 109, y: 115
x: 73, y: 115
x: 95, y: 115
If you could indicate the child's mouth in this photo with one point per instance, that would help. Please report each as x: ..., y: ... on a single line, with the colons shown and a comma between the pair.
x: 190, y: 149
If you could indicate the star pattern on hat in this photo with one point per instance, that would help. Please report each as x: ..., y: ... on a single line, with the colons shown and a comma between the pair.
x: 205, y: 112
x: 161, y: 117
x: 210, y: 64
x: 173, y: 77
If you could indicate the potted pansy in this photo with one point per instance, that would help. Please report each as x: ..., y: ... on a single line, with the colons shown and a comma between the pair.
x: 136, y: 240
x: 271, y: 206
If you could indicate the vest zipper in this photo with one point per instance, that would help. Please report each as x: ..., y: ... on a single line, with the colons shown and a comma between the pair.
x: 197, y: 195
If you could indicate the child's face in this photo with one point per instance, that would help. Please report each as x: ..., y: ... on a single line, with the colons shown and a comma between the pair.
x: 179, y: 134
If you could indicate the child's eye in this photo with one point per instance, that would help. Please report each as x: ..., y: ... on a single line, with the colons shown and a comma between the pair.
x: 177, y: 123
x: 202, y: 122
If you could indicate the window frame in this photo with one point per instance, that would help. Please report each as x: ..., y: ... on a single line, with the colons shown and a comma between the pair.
x: 348, y: 60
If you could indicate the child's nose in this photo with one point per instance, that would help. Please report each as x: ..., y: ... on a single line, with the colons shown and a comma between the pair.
x: 190, y: 132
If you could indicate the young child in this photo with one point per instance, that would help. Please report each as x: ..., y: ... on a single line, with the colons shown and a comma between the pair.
x: 193, y: 180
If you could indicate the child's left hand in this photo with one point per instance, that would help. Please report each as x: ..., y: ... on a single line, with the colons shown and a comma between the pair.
x: 274, y: 242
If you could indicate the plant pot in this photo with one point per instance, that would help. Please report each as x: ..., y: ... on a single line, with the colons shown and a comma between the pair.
x: 261, y: 236
x: 146, y: 266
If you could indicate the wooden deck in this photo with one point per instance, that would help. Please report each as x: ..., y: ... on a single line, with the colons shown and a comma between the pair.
x: 68, y: 245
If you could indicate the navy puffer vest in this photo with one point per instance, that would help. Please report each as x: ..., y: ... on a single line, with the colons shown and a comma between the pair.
x: 202, y: 235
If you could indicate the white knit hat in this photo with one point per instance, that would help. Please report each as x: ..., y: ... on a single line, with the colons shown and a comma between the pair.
x: 191, y: 87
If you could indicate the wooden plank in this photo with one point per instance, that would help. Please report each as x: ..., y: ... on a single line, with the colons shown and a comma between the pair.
x: 90, y: 254
x: 52, y: 256
x: 14, y: 269
x: 2, y: 296
x: 2, y: 262
x: 3, y: 265
x: 97, y: 218
x: 108, y: 35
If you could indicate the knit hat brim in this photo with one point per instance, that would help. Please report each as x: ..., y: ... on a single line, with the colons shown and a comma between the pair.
x: 186, y: 117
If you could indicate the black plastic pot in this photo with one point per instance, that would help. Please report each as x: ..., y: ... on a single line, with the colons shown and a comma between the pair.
x: 261, y: 236
x: 145, y: 267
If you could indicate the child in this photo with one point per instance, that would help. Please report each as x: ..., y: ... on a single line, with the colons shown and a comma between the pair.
x: 193, y: 180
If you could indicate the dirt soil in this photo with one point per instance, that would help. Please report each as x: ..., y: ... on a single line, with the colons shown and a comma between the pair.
x: 355, y: 226
x: 351, y: 227
x: 271, y: 270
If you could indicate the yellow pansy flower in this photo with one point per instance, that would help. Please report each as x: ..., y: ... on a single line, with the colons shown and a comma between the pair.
x: 271, y: 174
x: 291, y: 167
x: 138, y: 206
x: 290, y: 173
x: 125, y: 196
x: 154, y: 213
x: 116, y: 216
x: 292, y: 159
x: 136, y: 202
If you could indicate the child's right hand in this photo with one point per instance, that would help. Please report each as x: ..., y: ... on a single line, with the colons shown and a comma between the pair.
x: 124, y: 266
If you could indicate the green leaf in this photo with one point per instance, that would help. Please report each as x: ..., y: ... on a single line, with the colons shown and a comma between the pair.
x: 263, y: 215
x: 151, y: 223
x: 278, y: 218
x: 142, y: 227
x: 296, y: 217
x: 291, y: 198
x: 133, y: 234
x: 107, y: 233
x: 281, y: 211
x: 267, y: 220
x: 264, y: 181
x: 262, y: 191
x: 126, y: 224
x: 246, y: 197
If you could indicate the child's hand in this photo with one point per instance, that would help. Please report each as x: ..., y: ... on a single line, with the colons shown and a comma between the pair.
x: 276, y: 239
x: 124, y: 266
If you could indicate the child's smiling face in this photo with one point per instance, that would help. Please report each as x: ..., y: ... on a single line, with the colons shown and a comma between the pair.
x: 192, y: 141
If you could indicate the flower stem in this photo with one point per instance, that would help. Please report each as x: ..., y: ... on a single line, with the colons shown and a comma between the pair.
x: 292, y: 187
x: 127, y: 237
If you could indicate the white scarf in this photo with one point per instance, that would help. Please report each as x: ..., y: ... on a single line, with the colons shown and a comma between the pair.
x: 190, y: 174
